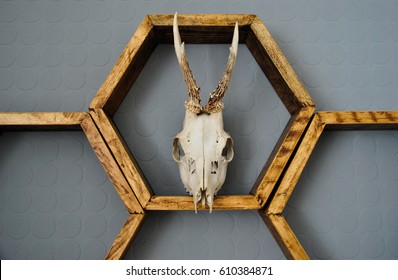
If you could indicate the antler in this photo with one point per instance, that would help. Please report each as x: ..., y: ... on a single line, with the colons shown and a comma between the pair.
x: 193, y: 103
x: 215, y: 103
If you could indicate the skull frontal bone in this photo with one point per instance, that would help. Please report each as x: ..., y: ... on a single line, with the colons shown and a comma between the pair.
x: 203, y: 150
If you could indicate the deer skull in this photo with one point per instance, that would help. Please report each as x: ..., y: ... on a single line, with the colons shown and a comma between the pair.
x: 203, y: 149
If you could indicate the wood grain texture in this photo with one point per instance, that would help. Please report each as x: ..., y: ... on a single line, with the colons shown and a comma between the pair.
x: 296, y: 167
x: 123, y: 156
x: 325, y: 120
x: 280, y: 156
x: 363, y: 120
x: 41, y: 120
x: 272, y: 214
x: 276, y: 67
x: 156, y: 29
x: 285, y: 237
x: 202, y: 28
x: 125, y: 237
x: 126, y: 70
x: 238, y: 202
x: 110, y: 166
x: 200, y: 20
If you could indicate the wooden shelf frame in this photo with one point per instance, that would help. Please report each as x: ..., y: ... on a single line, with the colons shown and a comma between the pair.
x: 200, y: 29
x: 321, y: 121
x: 203, y: 29
x: 280, y: 174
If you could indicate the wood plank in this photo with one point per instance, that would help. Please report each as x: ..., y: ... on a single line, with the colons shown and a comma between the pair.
x: 285, y: 237
x: 296, y: 167
x: 41, y: 120
x: 125, y: 237
x: 110, y: 166
x: 202, y: 19
x: 280, y: 156
x: 238, y: 202
x: 276, y: 67
x: 202, y: 35
x: 363, y: 120
x: 202, y: 28
x: 123, y: 156
x: 126, y: 70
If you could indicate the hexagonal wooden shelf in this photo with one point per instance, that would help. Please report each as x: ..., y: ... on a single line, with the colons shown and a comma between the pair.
x: 216, y: 29
x: 199, y: 29
x: 272, y: 214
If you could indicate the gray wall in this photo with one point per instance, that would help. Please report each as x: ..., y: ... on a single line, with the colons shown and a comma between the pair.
x: 55, y: 198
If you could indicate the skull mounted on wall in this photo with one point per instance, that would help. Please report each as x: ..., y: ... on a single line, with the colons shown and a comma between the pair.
x: 203, y: 149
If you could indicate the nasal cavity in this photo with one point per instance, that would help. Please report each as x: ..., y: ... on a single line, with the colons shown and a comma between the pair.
x: 214, y: 167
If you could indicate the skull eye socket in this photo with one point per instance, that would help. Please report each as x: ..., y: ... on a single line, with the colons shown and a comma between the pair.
x: 178, y: 151
x: 228, y: 151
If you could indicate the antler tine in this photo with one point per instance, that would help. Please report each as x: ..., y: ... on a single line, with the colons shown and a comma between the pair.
x: 215, y: 101
x: 193, y: 103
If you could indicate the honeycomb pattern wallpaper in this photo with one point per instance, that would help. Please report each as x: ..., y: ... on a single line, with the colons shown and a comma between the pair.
x: 56, y: 200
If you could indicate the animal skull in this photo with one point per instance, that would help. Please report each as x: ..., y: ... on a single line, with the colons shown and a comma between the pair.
x: 203, y: 149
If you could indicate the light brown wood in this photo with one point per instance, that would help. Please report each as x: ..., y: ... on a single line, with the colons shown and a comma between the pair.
x: 156, y: 29
x: 285, y: 237
x: 202, y: 28
x: 360, y: 120
x: 125, y: 237
x: 280, y: 156
x: 321, y: 121
x: 202, y: 20
x: 123, y: 156
x: 210, y: 29
x: 126, y: 70
x: 272, y: 213
x: 110, y: 166
x: 231, y: 202
x: 213, y: 28
x: 41, y: 120
x: 296, y: 166
x: 277, y: 69
x: 284, y: 167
